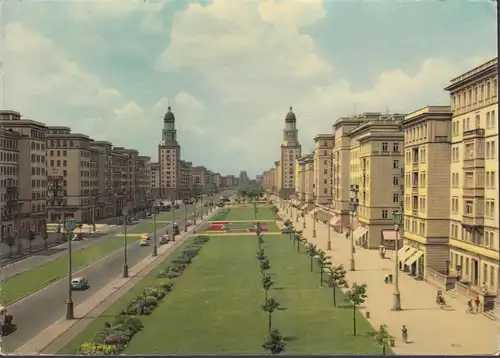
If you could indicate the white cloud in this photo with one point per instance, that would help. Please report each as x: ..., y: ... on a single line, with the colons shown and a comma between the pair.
x: 44, y: 84
x: 259, y: 59
x: 110, y: 9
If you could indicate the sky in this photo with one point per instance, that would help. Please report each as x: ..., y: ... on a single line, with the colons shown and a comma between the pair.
x: 231, y: 69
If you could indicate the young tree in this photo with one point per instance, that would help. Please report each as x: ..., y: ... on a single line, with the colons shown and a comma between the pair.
x: 31, y: 237
x: 323, y: 262
x: 300, y: 240
x: 264, y: 266
x: 383, y: 338
x: 311, y: 250
x: 270, y: 306
x: 267, y: 284
x: 274, y: 343
x: 336, y: 278
x: 260, y: 255
x: 10, y: 241
x: 356, y: 296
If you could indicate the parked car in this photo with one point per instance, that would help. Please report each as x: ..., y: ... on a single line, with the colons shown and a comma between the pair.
x: 144, y: 241
x: 79, y: 283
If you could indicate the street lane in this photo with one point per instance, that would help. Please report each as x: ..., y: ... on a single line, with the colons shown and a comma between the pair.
x: 36, y: 312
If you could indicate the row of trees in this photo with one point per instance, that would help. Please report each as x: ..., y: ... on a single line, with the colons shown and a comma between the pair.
x: 336, y: 279
x: 275, y: 342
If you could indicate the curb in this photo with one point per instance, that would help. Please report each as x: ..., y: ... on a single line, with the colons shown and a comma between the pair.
x: 53, y: 281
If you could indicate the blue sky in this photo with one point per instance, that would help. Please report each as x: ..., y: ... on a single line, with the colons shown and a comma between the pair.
x: 232, y: 68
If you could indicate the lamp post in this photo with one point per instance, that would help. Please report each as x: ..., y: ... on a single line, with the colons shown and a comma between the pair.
x: 354, y: 202
x: 155, y: 245
x: 185, y: 217
x: 397, y: 219
x: 125, y: 253
x: 315, y: 216
x: 329, y: 242
x: 68, y: 227
x: 173, y: 219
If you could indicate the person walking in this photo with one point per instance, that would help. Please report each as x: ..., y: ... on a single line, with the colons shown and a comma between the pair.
x: 404, y: 334
x: 477, y: 302
x: 469, y: 307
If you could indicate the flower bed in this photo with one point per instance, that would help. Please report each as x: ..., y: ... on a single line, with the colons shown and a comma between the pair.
x: 115, y: 336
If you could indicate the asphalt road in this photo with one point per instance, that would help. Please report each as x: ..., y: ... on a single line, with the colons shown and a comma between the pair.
x: 39, y: 310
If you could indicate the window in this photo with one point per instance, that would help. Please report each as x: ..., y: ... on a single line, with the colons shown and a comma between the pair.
x: 395, y: 180
x: 325, y: 191
x: 384, y: 147
x: 395, y: 164
x: 384, y: 214
x: 395, y: 197
x: 468, y: 208
x: 395, y: 147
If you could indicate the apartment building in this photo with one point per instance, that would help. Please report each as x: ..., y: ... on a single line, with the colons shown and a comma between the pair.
x: 31, y: 174
x: 277, y: 176
x: 142, y: 182
x: 71, y: 157
x: 155, y: 179
x: 9, y: 182
x: 119, y: 175
x: 323, y: 167
x: 185, y: 179
x: 305, y: 184
x: 369, y: 151
x: 427, y: 182
x: 290, y: 150
x: 197, y: 180
x: 104, y: 201
x: 268, y: 180
x: 169, y: 155
x: 216, y: 180
x: 474, y: 241
x: 129, y: 174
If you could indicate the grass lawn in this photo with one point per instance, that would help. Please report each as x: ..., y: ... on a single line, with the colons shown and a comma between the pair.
x: 20, y: 285
x: 215, y: 307
x: 242, y: 213
x: 98, y: 323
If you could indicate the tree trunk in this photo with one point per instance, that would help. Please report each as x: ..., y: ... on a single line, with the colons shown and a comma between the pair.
x: 30, y: 245
x: 383, y: 349
x: 334, y: 296
x: 321, y: 276
x: 354, y: 318
x: 298, y: 246
x: 10, y: 250
x: 311, y: 263
x: 265, y: 293
x: 269, y: 322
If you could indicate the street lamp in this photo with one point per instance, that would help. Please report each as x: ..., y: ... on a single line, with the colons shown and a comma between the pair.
x: 185, y: 217
x: 155, y: 246
x: 329, y: 243
x: 315, y: 215
x: 354, y: 202
x: 173, y: 219
x: 397, y: 220
x: 68, y: 227
x: 125, y: 257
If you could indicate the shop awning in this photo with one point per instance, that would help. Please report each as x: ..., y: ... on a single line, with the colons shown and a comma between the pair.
x: 335, y: 221
x: 323, y: 216
x: 405, y: 252
x: 410, y: 260
x: 358, y: 232
x: 390, y: 235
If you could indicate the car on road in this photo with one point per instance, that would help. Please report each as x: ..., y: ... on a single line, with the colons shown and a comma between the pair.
x: 144, y: 241
x: 79, y: 283
x: 5, y: 319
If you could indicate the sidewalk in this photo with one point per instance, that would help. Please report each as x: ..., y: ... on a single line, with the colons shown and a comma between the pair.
x: 431, y: 328
x: 56, y: 336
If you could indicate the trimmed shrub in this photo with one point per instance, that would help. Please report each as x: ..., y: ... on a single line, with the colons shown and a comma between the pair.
x: 96, y: 349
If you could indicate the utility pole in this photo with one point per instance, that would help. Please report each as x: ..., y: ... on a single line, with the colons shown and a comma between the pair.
x: 68, y: 227
x: 329, y: 242
x: 155, y: 246
x: 125, y: 257
x: 354, y: 206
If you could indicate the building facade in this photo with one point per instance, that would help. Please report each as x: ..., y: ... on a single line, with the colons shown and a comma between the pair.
x: 169, y: 155
x: 427, y: 150
x: 290, y: 151
x: 323, y: 167
x: 473, y: 231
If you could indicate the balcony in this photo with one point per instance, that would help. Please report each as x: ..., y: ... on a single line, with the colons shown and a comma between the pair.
x: 414, y: 212
x: 12, y: 190
x: 473, y: 192
x: 471, y: 220
x: 474, y: 133
x: 473, y: 163
x: 415, y: 164
x: 414, y: 189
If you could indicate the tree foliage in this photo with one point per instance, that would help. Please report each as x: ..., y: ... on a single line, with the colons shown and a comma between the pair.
x: 270, y: 307
x: 274, y: 343
x: 336, y: 278
x: 356, y: 296
x: 383, y: 338
x: 323, y: 262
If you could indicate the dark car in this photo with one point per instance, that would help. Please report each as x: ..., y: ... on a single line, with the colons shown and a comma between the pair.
x: 176, y: 206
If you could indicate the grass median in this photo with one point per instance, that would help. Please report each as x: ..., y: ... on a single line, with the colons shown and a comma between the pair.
x: 24, y: 283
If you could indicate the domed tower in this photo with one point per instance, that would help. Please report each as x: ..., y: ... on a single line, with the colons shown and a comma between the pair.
x: 290, y: 152
x: 169, y: 155
x: 169, y: 134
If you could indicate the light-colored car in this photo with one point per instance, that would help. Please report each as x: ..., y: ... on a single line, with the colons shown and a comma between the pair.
x: 79, y: 283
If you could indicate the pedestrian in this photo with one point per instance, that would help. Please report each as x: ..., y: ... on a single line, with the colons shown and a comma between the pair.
x: 477, y: 303
x: 404, y: 334
x: 386, y: 278
x: 469, y: 306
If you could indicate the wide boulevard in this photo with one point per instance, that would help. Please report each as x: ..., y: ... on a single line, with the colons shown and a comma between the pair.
x: 39, y: 310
